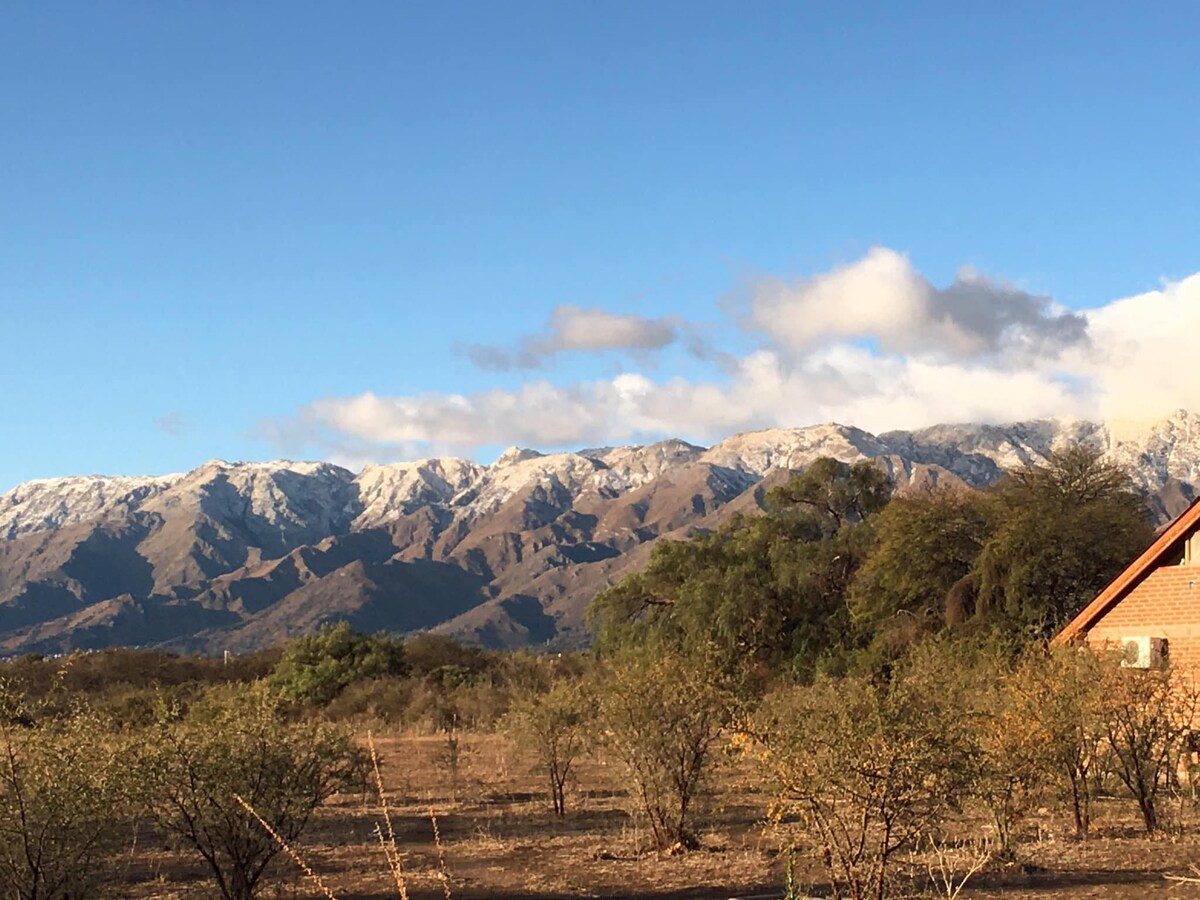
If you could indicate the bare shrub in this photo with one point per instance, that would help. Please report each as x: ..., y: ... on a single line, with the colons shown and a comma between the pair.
x: 1064, y: 690
x: 1148, y: 716
x: 950, y: 865
x: 866, y: 768
x: 660, y: 713
x: 236, y: 749
x: 553, y: 724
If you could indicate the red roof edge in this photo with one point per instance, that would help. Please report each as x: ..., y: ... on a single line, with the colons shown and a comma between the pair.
x: 1132, y: 574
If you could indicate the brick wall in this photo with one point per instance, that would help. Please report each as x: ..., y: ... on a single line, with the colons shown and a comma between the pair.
x: 1165, y: 604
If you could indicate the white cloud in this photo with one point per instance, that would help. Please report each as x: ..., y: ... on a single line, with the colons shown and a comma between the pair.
x: 575, y: 330
x: 1143, y: 351
x: 872, y: 344
x: 882, y: 297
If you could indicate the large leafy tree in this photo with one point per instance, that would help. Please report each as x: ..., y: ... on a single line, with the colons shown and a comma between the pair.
x: 1061, y: 531
x: 926, y: 543
x: 834, y: 493
x: 764, y: 590
x: 316, y: 667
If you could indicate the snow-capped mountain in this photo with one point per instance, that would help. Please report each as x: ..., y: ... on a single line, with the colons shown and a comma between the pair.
x: 240, y: 554
x: 50, y: 503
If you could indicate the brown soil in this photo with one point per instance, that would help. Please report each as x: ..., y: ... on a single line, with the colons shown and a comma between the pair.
x: 500, y: 840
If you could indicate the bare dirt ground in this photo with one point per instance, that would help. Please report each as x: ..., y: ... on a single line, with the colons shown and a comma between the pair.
x: 500, y: 840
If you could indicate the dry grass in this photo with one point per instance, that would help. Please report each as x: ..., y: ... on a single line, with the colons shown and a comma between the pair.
x: 501, y: 840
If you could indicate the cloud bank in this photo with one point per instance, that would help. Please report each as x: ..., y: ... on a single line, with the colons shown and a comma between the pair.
x: 873, y: 344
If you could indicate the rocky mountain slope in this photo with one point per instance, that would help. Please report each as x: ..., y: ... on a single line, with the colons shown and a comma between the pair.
x: 241, y: 555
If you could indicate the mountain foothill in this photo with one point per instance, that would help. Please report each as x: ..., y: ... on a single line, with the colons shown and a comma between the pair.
x: 239, y: 556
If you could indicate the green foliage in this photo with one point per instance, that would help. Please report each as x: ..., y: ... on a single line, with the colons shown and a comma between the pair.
x: 1024, y: 557
x: 123, y: 682
x: 428, y: 654
x: 315, y: 668
x: 661, y: 713
x: 926, y: 542
x: 834, y: 493
x: 1061, y: 532
x: 763, y: 591
x: 64, y: 792
x: 237, y: 743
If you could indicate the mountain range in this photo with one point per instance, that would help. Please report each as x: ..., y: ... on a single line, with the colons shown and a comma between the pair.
x: 238, y: 556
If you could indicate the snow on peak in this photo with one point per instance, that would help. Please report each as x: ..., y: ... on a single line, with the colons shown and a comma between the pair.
x: 627, y: 468
x: 284, y: 499
x: 48, y: 503
x: 514, y: 455
x: 388, y: 491
x: 294, y: 501
x: 757, y: 452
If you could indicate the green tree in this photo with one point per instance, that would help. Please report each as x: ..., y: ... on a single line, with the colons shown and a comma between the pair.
x: 835, y: 493
x: 315, y: 668
x: 763, y: 591
x: 1061, y: 531
x: 236, y: 743
x: 925, y: 543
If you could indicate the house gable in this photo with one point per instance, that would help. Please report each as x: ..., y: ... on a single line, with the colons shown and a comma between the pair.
x: 1158, y: 595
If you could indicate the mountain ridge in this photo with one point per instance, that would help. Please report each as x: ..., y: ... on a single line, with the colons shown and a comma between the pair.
x: 235, y: 555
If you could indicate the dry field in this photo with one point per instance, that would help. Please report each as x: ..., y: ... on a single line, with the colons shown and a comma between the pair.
x: 500, y: 840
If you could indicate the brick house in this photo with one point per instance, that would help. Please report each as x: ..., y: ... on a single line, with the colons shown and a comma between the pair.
x: 1151, y: 609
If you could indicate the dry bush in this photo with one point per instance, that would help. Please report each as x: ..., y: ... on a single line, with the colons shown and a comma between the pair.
x: 1064, y: 691
x: 236, y: 748
x: 867, y: 769
x: 64, y: 792
x: 950, y: 865
x: 1148, y: 715
x: 660, y: 714
x: 385, y: 702
x: 553, y: 724
x: 1011, y: 747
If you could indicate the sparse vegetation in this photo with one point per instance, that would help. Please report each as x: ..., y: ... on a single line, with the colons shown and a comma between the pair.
x: 867, y: 770
x: 661, y: 714
x: 65, y: 789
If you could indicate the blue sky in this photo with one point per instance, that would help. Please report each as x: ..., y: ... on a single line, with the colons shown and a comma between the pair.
x: 253, y: 230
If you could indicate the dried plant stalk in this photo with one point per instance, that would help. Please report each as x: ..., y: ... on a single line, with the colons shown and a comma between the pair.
x: 437, y: 839
x: 295, y: 857
x: 390, y: 851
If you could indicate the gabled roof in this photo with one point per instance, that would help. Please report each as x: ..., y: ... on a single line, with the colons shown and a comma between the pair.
x: 1164, y: 546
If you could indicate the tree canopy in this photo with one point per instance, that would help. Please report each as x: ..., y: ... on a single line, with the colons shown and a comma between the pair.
x: 835, y: 565
x: 1060, y: 532
x: 763, y: 590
